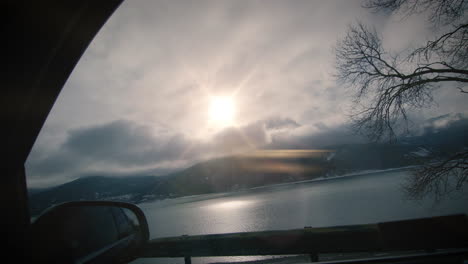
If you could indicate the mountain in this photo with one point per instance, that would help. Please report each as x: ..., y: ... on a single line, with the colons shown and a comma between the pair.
x: 217, y: 175
x: 240, y: 172
x: 443, y: 135
x: 130, y: 189
x: 358, y: 157
x: 32, y: 191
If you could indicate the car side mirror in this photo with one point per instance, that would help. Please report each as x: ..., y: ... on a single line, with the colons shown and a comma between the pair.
x: 89, y: 232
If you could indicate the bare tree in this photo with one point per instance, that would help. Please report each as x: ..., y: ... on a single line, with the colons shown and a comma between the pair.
x: 388, y: 85
x: 439, y: 176
x: 441, y: 11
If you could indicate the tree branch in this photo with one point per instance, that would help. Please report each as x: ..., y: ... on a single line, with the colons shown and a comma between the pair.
x: 439, y: 176
x: 387, y: 86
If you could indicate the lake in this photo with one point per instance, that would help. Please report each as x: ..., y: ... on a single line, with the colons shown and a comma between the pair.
x: 359, y: 199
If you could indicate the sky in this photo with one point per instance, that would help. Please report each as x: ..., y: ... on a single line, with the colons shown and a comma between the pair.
x: 144, y: 98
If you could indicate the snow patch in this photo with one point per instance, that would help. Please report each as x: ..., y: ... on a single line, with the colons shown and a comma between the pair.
x: 421, y: 152
x: 331, y: 156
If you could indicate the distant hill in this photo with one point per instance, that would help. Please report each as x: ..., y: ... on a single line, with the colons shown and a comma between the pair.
x: 130, y: 189
x: 32, y: 191
x: 241, y: 172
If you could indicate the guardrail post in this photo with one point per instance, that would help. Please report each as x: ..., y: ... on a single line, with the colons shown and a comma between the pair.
x: 313, y: 257
x: 188, y: 260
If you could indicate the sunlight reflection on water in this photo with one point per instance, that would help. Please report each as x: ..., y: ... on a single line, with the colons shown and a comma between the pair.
x: 229, y: 205
x: 345, y: 201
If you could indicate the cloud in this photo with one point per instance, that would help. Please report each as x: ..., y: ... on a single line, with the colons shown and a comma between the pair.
x: 315, y: 136
x: 119, y: 140
x: 138, y: 100
x: 276, y: 123
x: 435, y: 124
x: 149, y: 66
x: 117, y: 147
x: 124, y: 147
x: 234, y: 140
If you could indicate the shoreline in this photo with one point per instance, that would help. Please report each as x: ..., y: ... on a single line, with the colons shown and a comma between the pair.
x: 319, y: 179
x: 330, y: 178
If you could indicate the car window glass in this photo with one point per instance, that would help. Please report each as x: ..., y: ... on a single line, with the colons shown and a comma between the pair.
x: 240, y: 116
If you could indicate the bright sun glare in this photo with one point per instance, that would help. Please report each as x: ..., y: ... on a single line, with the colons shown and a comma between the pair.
x: 222, y: 110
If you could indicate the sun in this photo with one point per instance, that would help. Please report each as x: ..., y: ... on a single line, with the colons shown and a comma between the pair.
x: 222, y: 110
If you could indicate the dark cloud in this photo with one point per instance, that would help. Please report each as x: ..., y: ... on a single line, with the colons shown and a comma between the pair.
x: 280, y: 123
x: 232, y: 140
x: 324, y: 137
x: 58, y: 162
x: 119, y: 140
x: 108, y: 147
x: 435, y: 124
x: 124, y: 147
x: 124, y: 142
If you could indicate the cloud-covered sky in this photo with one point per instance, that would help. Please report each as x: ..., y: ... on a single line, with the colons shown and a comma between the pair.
x: 138, y: 100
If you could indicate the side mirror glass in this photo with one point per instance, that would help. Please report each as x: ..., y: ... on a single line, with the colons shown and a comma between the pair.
x: 90, y: 232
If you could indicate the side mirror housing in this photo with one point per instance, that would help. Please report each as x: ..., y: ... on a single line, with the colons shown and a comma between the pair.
x: 89, y: 232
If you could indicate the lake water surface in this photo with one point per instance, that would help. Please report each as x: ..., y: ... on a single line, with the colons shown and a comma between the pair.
x: 360, y: 199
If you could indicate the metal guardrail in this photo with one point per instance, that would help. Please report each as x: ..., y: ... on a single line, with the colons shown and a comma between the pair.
x: 421, y: 234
